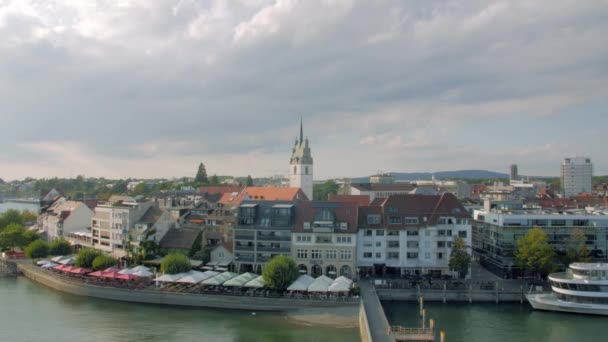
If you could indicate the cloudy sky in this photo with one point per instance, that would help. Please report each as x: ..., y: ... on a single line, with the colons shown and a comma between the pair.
x: 140, y: 88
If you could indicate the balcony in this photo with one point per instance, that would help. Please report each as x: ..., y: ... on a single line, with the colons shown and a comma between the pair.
x: 243, y: 237
x: 273, y: 238
x: 242, y: 258
x: 274, y: 249
x: 243, y: 248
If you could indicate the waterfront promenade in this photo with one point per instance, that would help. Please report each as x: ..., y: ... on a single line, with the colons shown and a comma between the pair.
x: 378, y: 326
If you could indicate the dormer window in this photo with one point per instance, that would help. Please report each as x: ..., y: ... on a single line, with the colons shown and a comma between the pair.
x: 325, y: 215
x: 373, y: 219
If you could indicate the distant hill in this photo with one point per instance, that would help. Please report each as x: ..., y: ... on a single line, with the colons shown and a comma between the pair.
x: 462, y: 174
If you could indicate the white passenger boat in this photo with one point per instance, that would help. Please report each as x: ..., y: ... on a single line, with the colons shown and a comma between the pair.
x: 583, y: 288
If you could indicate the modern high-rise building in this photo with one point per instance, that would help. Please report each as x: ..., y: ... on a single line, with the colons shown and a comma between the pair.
x: 513, y: 175
x: 300, y: 175
x: 576, y: 176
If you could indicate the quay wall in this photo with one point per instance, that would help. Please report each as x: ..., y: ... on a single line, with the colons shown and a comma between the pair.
x: 366, y: 335
x: 158, y: 297
x: 388, y: 295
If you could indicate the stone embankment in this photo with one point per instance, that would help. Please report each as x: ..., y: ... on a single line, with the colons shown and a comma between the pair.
x: 154, y: 296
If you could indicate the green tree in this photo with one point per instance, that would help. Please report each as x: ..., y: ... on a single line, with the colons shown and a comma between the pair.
x: 249, y: 181
x: 201, y: 175
x: 12, y: 236
x: 27, y: 216
x: 322, y: 191
x: 60, y: 247
x: 101, y: 262
x: 460, y: 260
x: 140, y: 189
x: 197, y: 245
x: 280, y: 272
x: 119, y: 187
x: 534, y: 253
x: 37, y: 249
x: 30, y: 236
x: 577, y: 247
x: 149, y: 249
x: 175, y: 263
x: 9, y: 217
x: 85, y: 257
x: 215, y: 180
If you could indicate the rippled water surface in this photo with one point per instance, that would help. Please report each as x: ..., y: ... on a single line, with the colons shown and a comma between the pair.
x: 501, y: 322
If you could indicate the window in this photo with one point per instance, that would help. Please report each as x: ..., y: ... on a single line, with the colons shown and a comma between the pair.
x: 449, y: 232
x: 392, y: 233
x: 412, y: 244
x: 441, y: 232
x: 344, y: 239
x: 367, y: 244
x: 392, y: 255
x: 367, y: 255
x: 368, y: 232
x: 412, y: 233
x: 330, y: 254
x: 462, y: 234
x: 315, y: 254
x: 411, y: 220
x: 439, y: 255
x: 347, y: 255
x: 412, y: 255
x: 558, y: 222
x: 294, y: 170
x: 373, y: 219
x: 323, y: 239
x: 303, y: 238
x: 378, y: 255
x: 427, y: 255
x: 440, y: 244
x: 394, y: 220
x: 449, y: 244
x: 306, y: 170
x: 302, y: 254
x: 378, y: 244
x: 380, y: 232
x: 393, y: 244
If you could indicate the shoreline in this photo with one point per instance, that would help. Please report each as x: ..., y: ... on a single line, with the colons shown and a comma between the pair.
x: 154, y: 296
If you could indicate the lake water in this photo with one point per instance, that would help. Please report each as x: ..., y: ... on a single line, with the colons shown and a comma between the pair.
x: 31, y: 312
x: 19, y: 206
x: 500, y: 322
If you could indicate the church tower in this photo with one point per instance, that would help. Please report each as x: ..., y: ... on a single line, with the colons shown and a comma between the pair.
x: 300, y: 174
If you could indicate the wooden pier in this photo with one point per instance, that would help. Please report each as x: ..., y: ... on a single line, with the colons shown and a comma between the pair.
x: 412, y: 334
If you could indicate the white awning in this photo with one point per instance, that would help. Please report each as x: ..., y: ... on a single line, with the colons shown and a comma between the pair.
x: 241, y: 280
x: 170, y: 278
x: 302, y: 283
x: 193, y: 277
x: 321, y: 284
x: 341, y: 284
x: 220, y: 278
x: 256, y: 283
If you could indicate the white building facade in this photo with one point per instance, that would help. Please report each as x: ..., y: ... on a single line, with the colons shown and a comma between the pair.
x: 411, y: 234
x: 64, y: 217
x: 576, y: 176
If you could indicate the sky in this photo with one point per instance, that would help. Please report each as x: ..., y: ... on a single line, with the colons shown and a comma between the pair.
x: 139, y: 88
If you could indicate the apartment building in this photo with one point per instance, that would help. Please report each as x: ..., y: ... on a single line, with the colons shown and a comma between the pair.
x: 410, y: 234
x: 324, y: 239
x: 576, y: 176
x: 262, y: 231
x: 499, y: 225
x: 64, y: 217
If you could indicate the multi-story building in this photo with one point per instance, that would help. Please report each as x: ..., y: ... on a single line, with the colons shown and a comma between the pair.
x: 64, y: 217
x: 114, y: 221
x: 300, y: 174
x: 262, y: 231
x: 410, y: 234
x: 498, y: 226
x: 324, y: 238
x: 576, y: 176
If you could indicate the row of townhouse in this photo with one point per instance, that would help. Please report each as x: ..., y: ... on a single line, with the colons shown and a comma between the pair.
x: 399, y: 235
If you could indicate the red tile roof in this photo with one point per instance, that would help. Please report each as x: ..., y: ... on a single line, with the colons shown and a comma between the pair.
x: 266, y: 193
x: 361, y: 200
x: 228, y: 245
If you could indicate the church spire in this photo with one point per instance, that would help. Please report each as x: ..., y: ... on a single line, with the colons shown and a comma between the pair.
x: 301, y: 131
